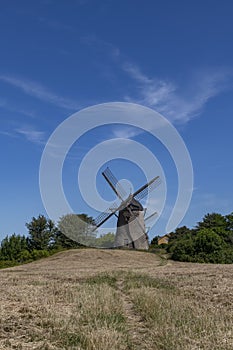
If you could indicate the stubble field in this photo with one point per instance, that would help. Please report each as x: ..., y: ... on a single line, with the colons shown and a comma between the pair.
x: 115, y: 299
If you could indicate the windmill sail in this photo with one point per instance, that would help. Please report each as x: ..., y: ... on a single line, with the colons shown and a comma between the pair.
x: 113, y: 182
x: 151, y: 216
x: 146, y: 189
x: 104, y: 216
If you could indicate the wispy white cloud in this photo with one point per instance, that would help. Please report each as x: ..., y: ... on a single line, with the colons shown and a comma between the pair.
x: 41, y: 92
x: 125, y: 132
x: 6, y: 133
x: 135, y: 73
x: 6, y: 105
x: 178, y: 103
x: 31, y: 134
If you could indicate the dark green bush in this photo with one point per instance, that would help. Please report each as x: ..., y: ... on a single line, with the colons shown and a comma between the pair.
x: 210, y: 242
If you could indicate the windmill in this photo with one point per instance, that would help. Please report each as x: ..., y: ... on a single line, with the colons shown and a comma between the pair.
x: 131, y: 230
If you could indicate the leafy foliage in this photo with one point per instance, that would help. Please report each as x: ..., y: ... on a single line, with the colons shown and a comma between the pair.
x: 154, y: 241
x: 105, y: 241
x: 13, y: 248
x: 41, y: 232
x: 76, y: 228
x: 44, y: 239
x: 210, y: 241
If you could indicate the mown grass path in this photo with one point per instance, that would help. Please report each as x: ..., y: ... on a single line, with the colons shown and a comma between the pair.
x: 135, y: 323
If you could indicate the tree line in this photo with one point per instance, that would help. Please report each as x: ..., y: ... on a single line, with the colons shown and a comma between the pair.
x: 45, y: 238
x: 210, y: 241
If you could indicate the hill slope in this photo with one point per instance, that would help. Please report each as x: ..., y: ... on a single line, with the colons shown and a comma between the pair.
x: 115, y: 299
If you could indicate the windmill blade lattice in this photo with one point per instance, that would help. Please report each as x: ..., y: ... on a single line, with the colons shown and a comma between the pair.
x: 146, y: 189
x: 104, y: 216
x: 118, y: 189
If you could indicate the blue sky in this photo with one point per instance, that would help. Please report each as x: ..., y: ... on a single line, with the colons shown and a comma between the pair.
x: 58, y: 57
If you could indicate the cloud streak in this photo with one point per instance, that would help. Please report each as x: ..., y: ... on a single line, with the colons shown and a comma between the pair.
x: 175, y: 103
x: 40, y: 92
x: 126, y: 132
x: 32, y: 135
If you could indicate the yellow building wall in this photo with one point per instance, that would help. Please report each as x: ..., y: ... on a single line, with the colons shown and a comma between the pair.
x: 163, y: 240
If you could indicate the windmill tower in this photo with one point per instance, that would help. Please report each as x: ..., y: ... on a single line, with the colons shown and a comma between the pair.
x: 131, y: 230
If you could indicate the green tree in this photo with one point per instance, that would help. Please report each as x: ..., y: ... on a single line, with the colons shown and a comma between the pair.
x: 183, y: 250
x: 154, y: 241
x: 214, y: 221
x: 229, y: 220
x: 105, y: 241
x: 208, y: 241
x: 62, y: 241
x: 181, y: 234
x: 41, y: 232
x: 78, y: 228
x: 12, y: 247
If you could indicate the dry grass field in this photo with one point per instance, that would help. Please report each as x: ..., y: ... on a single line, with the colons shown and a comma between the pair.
x: 115, y: 299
